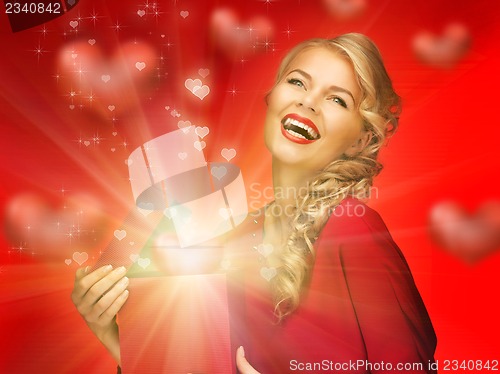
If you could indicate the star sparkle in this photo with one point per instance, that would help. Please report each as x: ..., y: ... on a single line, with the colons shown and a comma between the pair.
x: 38, y: 51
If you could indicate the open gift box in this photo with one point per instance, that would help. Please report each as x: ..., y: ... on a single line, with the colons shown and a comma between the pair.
x: 178, y: 316
x: 177, y: 324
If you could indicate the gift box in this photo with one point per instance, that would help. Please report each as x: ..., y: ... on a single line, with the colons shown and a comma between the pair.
x: 177, y: 324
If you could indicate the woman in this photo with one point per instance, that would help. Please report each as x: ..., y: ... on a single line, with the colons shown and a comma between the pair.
x: 326, y: 289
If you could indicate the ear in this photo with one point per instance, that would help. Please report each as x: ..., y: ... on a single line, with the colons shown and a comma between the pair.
x: 360, y: 144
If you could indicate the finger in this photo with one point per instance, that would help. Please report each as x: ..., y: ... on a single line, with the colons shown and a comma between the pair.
x: 242, y: 364
x: 105, y: 302
x: 82, y: 285
x: 114, y: 308
x: 81, y: 272
x: 99, y: 288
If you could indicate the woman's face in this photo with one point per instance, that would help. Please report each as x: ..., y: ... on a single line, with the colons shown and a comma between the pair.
x: 312, y: 117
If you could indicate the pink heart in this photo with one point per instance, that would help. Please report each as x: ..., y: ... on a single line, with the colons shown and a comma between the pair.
x: 445, y: 50
x: 80, y: 257
x: 236, y: 39
x: 345, y: 9
x: 201, y: 92
x: 470, y: 237
x: 53, y: 232
x: 120, y: 78
x: 203, y: 72
x: 202, y: 131
x: 228, y: 154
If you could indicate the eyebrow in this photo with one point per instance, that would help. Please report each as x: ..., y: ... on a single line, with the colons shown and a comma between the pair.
x: 333, y: 87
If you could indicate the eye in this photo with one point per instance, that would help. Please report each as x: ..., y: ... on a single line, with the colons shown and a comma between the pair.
x: 296, y: 82
x: 339, y: 101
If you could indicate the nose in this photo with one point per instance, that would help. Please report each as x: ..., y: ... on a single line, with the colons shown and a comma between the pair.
x: 309, y: 100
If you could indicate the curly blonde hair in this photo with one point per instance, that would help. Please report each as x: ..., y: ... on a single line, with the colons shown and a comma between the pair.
x: 379, y: 108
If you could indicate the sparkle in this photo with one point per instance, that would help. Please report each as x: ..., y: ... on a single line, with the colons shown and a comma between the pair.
x: 242, y: 61
x: 169, y: 44
x: 94, y: 17
x: 72, y: 94
x: 79, y: 17
x: 97, y: 139
x: 63, y: 190
x: 80, y: 71
x: 233, y: 91
x: 117, y: 26
x: 288, y: 32
x: 21, y: 248
x: 124, y: 144
x: 39, y: 51
x: 91, y: 97
x: 57, y: 77
x: 79, y: 141
x: 268, y: 45
x: 267, y: 2
x: 44, y: 31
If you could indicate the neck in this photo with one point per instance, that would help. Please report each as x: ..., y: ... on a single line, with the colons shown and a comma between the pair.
x: 290, y: 185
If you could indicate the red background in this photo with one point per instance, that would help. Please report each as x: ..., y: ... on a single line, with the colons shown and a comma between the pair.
x: 446, y: 148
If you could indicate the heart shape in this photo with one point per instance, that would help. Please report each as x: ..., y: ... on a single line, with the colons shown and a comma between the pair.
x: 228, y: 154
x: 203, y: 72
x: 201, y: 91
x: 53, y: 229
x: 237, y: 40
x: 345, y: 9
x: 218, y: 171
x: 122, y: 78
x: 268, y: 273
x: 80, y: 257
x: 199, y: 145
x: 184, y: 13
x: 265, y: 249
x: 143, y: 262
x: 202, y: 131
x: 470, y: 237
x: 442, y: 51
x: 120, y: 234
x: 184, y: 125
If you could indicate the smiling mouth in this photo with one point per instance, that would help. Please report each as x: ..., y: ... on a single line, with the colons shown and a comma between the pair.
x: 300, y: 130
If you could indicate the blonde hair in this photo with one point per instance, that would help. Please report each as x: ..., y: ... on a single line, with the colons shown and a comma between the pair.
x: 379, y: 108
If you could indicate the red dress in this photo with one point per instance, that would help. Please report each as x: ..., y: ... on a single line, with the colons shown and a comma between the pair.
x: 361, y: 312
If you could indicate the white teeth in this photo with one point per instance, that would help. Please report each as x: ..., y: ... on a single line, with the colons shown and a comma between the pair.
x: 313, y: 134
x: 296, y: 134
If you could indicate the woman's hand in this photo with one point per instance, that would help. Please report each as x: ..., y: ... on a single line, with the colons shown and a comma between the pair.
x: 98, y: 296
x: 242, y: 364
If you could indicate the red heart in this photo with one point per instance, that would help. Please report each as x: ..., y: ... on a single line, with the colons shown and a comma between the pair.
x: 470, y: 237
x: 345, y: 9
x: 26, y: 14
x: 98, y: 82
x: 54, y: 234
x: 445, y: 50
x: 237, y: 40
